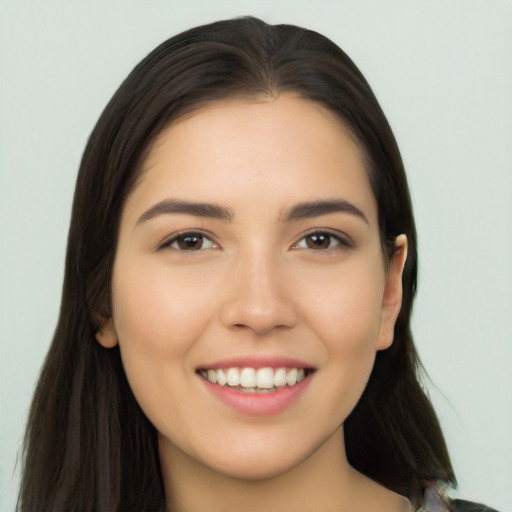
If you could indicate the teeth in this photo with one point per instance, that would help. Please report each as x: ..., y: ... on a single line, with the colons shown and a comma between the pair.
x: 280, y: 377
x: 291, y: 377
x: 265, y: 378
x: 233, y: 377
x: 221, y: 378
x: 250, y: 379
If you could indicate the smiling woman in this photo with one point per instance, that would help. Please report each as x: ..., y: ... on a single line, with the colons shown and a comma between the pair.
x: 279, y: 297
x: 239, y: 280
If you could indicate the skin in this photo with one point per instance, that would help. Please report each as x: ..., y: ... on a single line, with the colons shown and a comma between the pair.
x: 258, y: 285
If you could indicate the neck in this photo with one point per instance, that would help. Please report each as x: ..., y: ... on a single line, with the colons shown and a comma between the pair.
x: 324, y: 481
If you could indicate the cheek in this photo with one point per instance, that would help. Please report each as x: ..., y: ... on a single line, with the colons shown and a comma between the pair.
x: 345, y: 306
x: 344, y: 313
x: 158, y: 308
x: 158, y: 316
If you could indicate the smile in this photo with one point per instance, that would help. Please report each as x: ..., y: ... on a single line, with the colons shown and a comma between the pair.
x: 255, y: 380
x: 256, y: 391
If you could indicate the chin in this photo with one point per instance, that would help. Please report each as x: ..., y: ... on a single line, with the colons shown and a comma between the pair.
x: 247, y: 471
x: 259, y: 463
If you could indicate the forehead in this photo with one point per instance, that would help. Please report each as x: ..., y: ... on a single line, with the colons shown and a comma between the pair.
x: 262, y: 151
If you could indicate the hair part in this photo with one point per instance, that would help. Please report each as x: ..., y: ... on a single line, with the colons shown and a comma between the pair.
x: 88, y: 445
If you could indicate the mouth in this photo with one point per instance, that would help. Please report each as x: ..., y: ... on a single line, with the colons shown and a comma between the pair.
x: 255, y: 380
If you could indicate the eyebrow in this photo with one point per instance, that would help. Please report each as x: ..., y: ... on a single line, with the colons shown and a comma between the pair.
x: 305, y: 210
x: 169, y: 206
x: 311, y: 209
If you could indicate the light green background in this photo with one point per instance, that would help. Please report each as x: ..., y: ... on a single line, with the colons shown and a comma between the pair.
x: 443, y: 73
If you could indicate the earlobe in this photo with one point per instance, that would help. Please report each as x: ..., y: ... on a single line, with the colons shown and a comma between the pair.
x: 392, y: 298
x: 107, y: 336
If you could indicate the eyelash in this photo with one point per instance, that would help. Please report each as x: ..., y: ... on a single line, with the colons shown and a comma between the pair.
x: 340, y: 242
x: 168, y: 244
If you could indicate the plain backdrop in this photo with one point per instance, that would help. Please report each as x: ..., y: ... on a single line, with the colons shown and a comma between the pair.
x: 443, y: 73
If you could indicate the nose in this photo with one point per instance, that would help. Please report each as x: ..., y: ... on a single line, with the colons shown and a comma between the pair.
x: 257, y: 296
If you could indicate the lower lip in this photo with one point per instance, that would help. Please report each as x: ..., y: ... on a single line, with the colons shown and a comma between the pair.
x: 259, y: 404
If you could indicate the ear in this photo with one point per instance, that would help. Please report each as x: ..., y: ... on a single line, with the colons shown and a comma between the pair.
x: 392, y: 297
x: 107, y: 336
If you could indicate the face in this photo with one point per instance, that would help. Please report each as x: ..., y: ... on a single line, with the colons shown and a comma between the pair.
x: 250, y: 293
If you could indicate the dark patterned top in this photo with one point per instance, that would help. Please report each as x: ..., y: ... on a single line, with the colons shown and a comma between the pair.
x: 435, y: 501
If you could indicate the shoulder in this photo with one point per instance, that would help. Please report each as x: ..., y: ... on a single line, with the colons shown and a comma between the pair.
x: 469, y: 506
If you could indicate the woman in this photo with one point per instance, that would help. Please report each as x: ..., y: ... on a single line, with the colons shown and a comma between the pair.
x: 239, y: 281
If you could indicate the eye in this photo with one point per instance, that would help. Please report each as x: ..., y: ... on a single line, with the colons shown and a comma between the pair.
x: 321, y: 240
x: 189, y: 242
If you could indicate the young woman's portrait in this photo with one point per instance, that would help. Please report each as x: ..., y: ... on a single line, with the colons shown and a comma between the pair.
x: 256, y: 257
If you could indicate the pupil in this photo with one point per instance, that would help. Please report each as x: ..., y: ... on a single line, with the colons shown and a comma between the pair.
x: 319, y: 241
x: 190, y: 242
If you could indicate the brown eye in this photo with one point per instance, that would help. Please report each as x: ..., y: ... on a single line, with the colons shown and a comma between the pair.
x: 190, y: 242
x: 320, y: 241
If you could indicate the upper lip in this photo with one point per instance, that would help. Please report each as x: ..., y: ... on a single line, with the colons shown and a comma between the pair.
x: 256, y: 362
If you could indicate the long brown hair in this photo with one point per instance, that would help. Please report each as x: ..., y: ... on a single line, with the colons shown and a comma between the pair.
x: 88, y: 445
